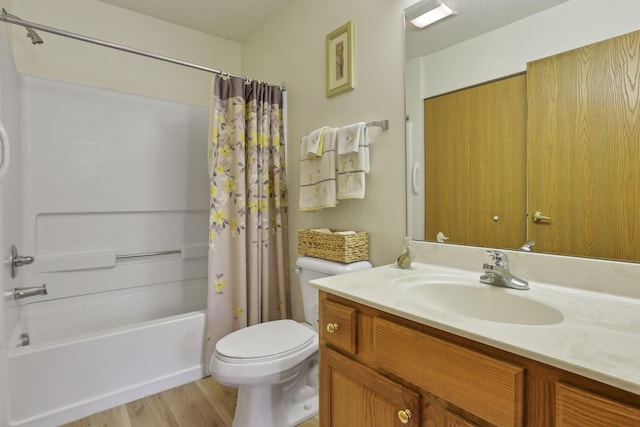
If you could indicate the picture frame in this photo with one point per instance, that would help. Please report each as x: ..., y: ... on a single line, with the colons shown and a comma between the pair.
x: 340, y: 59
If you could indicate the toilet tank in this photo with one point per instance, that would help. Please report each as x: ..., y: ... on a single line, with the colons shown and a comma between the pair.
x: 315, y: 268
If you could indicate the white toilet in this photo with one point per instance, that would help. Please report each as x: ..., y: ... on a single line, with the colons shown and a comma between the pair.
x: 275, y: 364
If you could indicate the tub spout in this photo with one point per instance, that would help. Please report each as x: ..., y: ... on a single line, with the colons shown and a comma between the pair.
x: 19, y: 293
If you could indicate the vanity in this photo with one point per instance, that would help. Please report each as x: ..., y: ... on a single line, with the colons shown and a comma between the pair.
x: 432, y: 346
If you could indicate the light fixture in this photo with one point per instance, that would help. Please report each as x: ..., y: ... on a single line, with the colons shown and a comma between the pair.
x: 426, y: 12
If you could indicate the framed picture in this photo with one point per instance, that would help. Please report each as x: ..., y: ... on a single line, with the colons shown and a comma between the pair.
x: 340, y: 62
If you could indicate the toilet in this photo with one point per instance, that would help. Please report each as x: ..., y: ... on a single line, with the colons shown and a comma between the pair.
x: 275, y: 364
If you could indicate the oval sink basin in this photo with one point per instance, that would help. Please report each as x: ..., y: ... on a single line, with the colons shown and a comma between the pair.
x: 480, y: 302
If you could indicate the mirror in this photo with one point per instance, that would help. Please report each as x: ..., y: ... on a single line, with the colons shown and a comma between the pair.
x: 470, y: 49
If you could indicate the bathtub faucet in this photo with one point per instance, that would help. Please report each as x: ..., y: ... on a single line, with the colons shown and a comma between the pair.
x: 19, y: 293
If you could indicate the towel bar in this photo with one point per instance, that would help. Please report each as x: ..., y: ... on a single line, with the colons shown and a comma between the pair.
x: 384, y: 124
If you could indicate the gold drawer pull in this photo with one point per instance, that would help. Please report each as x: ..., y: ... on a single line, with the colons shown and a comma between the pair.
x: 404, y: 416
x: 332, y: 327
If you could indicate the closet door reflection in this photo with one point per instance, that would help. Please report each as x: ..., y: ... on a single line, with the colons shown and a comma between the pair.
x: 447, y: 171
x: 584, y: 150
x: 476, y: 164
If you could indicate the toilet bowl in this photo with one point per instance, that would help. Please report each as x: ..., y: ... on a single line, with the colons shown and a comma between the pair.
x: 269, y: 363
x: 275, y: 364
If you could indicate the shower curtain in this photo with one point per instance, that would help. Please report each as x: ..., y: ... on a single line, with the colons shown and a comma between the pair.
x: 248, y: 207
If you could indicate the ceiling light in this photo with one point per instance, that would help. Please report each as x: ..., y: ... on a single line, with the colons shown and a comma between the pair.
x: 426, y: 12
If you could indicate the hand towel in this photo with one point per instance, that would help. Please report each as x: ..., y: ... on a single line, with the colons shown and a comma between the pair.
x: 350, y: 138
x: 318, y: 175
x: 315, y: 146
x: 352, y: 165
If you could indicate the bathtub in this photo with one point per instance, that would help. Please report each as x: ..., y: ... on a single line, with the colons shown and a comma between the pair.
x: 90, y: 353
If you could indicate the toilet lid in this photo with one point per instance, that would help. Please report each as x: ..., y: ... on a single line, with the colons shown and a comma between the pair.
x: 265, y: 339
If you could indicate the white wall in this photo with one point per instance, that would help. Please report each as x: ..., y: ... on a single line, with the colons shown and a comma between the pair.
x: 70, y: 60
x: 105, y: 173
x: 416, y: 198
x: 10, y: 197
x: 291, y: 48
x: 103, y: 169
x: 507, y: 50
x: 12, y: 187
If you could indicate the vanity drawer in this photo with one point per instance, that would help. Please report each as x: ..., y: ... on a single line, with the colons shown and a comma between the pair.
x: 338, y: 325
x: 576, y: 407
x: 489, y: 388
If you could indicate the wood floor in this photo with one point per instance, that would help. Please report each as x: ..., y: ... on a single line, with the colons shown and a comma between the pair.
x: 201, y: 403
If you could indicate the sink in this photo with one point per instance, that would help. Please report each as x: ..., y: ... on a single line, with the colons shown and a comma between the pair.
x: 466, y: 297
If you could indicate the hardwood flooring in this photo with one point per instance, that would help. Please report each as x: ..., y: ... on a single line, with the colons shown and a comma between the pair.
x: 203, y: 403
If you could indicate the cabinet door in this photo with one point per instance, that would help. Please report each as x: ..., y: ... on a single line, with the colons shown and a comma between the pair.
x: 583, y: 151
x: 579, y: 408
x: 454, y: 420
x: 353, y: 395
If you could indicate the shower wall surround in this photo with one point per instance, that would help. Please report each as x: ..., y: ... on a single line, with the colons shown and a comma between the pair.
x: 105, y: 173
x: 97, y: 173
x: 10, y: 199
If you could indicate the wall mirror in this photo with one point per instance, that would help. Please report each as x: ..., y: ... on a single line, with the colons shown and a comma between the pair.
x: 468, y: 76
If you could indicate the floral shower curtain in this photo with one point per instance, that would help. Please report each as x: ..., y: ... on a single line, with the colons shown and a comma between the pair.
x: 248, y: 207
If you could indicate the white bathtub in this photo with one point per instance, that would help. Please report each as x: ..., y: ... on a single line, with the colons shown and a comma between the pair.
x: 93, y: 352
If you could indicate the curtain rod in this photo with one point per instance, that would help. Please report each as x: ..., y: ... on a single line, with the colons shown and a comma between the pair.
x: 12, y: 19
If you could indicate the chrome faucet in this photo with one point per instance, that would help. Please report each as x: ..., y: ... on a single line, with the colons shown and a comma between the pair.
x: 19, y: 293
x: 498, y: 273
x: 527, y: 247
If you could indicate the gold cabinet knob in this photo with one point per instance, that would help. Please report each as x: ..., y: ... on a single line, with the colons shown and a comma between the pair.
x: 404, y: 416
x: 332, y: 327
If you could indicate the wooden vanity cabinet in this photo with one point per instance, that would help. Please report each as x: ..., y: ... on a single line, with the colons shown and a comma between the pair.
x: 379, y: 370
x: 376, y: 372
x: 579, y: 408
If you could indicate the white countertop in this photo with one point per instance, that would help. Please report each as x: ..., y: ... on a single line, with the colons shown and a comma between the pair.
x: 598, y: 337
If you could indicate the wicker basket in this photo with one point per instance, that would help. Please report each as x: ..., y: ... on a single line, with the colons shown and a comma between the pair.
x: 344, y: 248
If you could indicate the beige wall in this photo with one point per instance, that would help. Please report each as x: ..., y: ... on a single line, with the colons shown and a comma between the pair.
x: 70, y: 60
x: 291, y: 48
x: 6, y: 4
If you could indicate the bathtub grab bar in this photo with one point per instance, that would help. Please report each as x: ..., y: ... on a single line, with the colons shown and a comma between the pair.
x: 146, y: 254
x: 110, y: 258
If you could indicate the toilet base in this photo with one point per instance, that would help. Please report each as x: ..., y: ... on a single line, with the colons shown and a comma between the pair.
x: 278, y: 406
x: 266, y: 407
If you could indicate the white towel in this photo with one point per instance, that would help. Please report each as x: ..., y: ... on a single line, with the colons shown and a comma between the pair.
x: 353, y: 163
x: 350, y: 138
x: 315, y: 145
x: 318, y: 175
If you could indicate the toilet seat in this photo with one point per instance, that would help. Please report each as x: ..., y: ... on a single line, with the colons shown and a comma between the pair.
x: 264, y: 342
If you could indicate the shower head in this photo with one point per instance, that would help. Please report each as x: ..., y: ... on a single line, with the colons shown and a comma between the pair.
x: 35, y: 38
